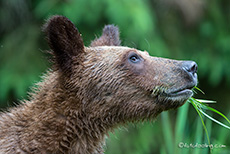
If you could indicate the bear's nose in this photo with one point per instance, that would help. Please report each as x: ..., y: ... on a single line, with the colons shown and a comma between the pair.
x: 190, y: 67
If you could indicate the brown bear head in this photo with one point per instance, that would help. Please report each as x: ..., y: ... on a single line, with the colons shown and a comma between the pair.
x: 114, y: 82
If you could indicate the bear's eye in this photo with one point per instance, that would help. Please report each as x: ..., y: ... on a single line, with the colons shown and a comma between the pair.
x: 134, y: 58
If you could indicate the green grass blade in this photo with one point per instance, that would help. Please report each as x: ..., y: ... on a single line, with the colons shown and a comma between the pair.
x: 212, y: 109
x: 223, y: 137
x: 221, y: 114
x: 198, y: 135
x: 182, y: 117
x: 220, y: 123
x: 206, y: 131
x: 168, y: 135
x: 205, y: 101
x: 208, y: 124
x: 199, y: 90
x: 181, y: 121
x: 200, y: 106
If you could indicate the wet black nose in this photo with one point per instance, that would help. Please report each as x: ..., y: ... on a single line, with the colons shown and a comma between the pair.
x: 190, y: 67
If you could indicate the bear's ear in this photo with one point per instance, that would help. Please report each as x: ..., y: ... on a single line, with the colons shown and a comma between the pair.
x: 65, y: 41
x: 110, y: 37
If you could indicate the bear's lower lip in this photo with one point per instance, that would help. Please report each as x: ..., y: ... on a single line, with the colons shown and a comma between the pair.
x: 174, y: 99
x: 174, y: 93
x: 180, y: 93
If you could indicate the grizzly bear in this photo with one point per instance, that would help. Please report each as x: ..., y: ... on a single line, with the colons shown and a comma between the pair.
x: 90, y: 91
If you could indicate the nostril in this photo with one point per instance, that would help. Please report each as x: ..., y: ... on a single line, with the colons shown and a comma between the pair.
x: 190, y: 66
x: 193, y: 69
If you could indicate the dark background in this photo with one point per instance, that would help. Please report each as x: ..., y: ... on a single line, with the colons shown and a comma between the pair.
x: 196, y: 30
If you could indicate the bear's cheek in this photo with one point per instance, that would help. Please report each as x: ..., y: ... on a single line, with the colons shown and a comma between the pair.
x: 137, y: 69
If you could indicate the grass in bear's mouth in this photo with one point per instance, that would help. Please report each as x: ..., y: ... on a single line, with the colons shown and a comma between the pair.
x: 201, y: 106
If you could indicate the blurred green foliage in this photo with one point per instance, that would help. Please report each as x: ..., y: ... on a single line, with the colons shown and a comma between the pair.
x: 194, y: 30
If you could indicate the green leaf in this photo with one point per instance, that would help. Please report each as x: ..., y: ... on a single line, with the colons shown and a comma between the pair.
x: 198, y: 111
x: 210, y: 108
x: 205, y: 101
x: 199, y: 90
x: 220, y: 123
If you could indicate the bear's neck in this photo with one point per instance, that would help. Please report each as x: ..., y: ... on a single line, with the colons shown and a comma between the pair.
x: 62, y: 123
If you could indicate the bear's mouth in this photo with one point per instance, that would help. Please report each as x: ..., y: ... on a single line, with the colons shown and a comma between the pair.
x: 181, y: 93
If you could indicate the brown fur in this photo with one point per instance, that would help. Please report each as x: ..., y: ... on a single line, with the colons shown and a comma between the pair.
x: 89, y: 92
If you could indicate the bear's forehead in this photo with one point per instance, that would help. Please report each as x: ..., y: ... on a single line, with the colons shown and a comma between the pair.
x: 115, y: 50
